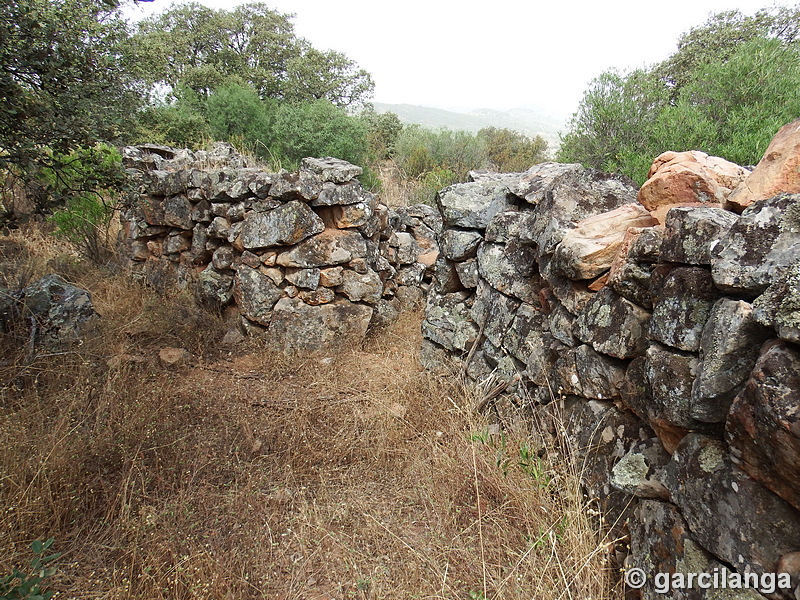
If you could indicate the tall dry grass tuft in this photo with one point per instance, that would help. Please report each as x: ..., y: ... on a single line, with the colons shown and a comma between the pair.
x: 252, y: 474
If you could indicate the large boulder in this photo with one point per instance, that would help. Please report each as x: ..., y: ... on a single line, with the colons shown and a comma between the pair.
x: 729, y: 349
x: 681, y: 305
x: 777, y: 172
x: 589, y: 250
x: 285, y: 225
x: 688, y: 179
x: 763, y: 427
x: 472, y: 205
x: 761, y: 244
x: 567, y: 194
x: 298, y: 326
x: 255, y: 294
x: 59, y: 310
x: 328, y: 248
x: 709, y: 491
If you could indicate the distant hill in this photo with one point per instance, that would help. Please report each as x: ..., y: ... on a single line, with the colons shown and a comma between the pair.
x: 529, y: 122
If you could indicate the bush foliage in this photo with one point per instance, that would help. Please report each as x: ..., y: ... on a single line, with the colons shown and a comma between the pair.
x: 733, y: 82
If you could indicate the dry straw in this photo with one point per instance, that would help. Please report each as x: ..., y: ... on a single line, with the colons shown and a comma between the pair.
x: 251, y: 474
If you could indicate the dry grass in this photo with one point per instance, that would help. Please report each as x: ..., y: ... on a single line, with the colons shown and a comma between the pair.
x: 251, y: 474
x: 398, y: 190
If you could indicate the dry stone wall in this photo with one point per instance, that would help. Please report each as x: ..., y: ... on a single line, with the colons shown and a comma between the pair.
x: 310, y: 258
x: 659, y: 332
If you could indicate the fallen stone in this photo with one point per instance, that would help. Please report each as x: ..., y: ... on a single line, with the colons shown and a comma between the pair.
x: 173, y: 358
x: 61, y: 311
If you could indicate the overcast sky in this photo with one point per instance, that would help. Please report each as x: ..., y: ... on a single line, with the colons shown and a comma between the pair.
x: 499, y: 54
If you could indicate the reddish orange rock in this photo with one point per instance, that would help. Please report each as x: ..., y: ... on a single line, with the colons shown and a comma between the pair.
x: 688, y: 179
x: 777, y: 172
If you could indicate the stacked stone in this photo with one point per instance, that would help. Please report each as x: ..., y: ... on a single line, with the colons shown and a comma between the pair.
x: 666, y: 326
x: 413, y: 251
x: 304, y: 257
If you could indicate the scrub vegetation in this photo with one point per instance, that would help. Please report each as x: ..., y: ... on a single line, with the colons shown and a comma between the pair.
x: 262, y: 475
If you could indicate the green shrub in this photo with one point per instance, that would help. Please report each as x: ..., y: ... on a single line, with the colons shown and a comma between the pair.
x: 26, y: 585
x: 382, y: 132
x: 419, y: 150
x: 726, y: 91
x: 509, y: 151
x: 177, y: 121
x: 85, y: 184
x: 236, y: 112
x: 318, y: 129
